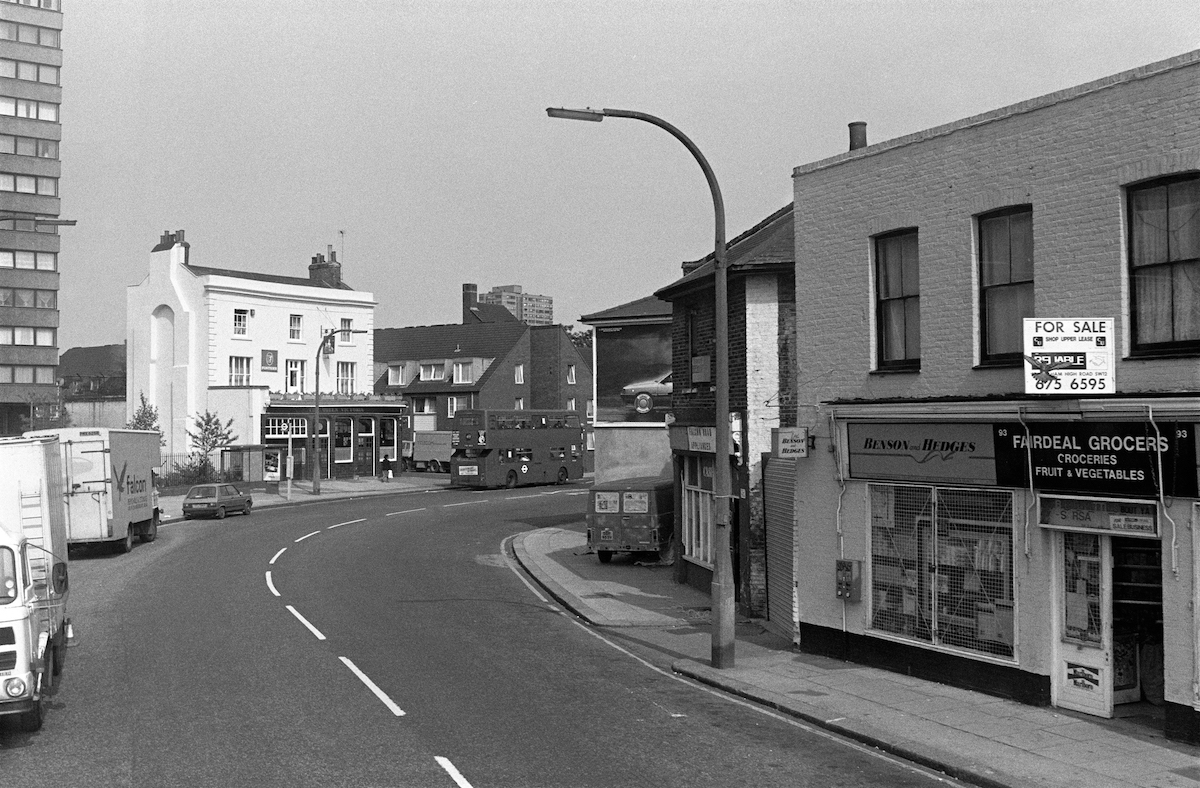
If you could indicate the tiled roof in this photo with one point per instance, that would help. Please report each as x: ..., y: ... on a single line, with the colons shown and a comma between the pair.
x: 770, y: 242
x: 257, y: 276
x: 642, y: 309
x: 91, y: 362
x: 492, y: 313
x: 472, y: 340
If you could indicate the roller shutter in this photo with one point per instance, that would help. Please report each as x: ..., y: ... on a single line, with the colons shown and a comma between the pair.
x: 779, y: 500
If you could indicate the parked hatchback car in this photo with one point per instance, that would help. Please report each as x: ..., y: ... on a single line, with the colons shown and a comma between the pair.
x: 215, y: 500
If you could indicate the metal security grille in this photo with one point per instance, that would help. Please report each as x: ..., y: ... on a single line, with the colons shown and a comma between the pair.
x: 941, y: 566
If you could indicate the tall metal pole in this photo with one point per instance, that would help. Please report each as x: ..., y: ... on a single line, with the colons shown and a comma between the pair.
x: 316, y: 469
x: 722, y: 589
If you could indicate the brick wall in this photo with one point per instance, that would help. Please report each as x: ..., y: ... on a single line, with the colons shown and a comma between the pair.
x: 1069, y: 155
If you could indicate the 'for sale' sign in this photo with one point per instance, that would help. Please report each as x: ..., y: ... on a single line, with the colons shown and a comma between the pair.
x: 1070, y: 356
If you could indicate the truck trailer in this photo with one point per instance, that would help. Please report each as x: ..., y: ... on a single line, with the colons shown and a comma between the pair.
x: 109, y: 482
x: 34, y: 630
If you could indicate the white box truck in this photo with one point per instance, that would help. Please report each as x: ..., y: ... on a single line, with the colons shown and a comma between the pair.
x: 109, y: 483
x: 34, y: 629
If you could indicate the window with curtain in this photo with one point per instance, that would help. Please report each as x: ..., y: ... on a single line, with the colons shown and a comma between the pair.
x: 1164, y: 265
x: 898, y: 301
x: 345, y: 377
x: 1005, y: 282
x: 239, y: 370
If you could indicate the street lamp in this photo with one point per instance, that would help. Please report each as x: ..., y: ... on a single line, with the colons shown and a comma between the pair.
x: 326, y: 347
x: 722, y: 584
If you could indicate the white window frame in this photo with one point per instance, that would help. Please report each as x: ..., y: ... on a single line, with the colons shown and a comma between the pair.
x: 433, y: 371
x: 347, y: 325
x: 452, y: 406
x: 572, y: 404
x: 296, y: 327
x: 396, y: 375
x: 346, y: 371
x: 462, y: 372
x: 239, y: 370
x: 294, y: 375
x: 241, y: 322
x: 519, y: 374
x: 570, y: 374
x: 519, y: 403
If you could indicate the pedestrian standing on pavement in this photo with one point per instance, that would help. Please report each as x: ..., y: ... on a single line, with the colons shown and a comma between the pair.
x: 385, y: 469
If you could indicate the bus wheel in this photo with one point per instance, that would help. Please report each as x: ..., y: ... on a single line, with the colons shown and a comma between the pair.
x: 562, y: 475
x: 435, y: 466
x: 604, y: 555
x: 510, y: 481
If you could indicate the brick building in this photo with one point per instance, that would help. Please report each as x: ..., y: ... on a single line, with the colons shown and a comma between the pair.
x: 490, y: 360
x: 762, y: 286
x: 1039, y: 545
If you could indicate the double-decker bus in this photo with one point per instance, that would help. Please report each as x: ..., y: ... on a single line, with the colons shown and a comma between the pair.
x: 504, y: 448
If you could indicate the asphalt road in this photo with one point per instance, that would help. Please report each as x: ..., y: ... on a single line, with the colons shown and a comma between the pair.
x: 384, y: 642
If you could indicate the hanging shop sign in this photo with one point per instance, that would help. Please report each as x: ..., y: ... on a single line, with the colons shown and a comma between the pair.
x: 1112, y: 458
x: 932, y: 452
x: 1105, y: 515
x: 1070, y: 356
x: 789, y: 443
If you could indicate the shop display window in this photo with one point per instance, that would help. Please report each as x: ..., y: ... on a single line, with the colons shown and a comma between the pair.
x: 941, y: 566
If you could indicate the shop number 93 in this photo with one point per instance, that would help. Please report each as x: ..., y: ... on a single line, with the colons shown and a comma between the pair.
x: 1075, y: 384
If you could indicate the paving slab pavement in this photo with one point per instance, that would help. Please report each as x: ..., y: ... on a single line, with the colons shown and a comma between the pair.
x: 968, y: 735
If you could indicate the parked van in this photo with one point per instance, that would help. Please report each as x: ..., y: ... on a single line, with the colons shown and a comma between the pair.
x: 631, y: 515
x: 109, y: 483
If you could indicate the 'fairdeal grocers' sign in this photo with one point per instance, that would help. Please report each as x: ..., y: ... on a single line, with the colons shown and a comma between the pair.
x: 1111, y: 458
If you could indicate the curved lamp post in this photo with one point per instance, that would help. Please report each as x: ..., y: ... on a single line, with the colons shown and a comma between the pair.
x: 325, y: 347
x: 722, y: 583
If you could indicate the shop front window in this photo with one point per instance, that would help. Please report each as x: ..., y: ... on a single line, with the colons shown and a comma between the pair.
x: 1081, y: 588
x: 343, y: 440
x: 698, y: 475
x: 941, y: 566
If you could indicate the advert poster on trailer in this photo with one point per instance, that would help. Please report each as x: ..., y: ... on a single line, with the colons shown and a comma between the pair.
x: 1070, y: 355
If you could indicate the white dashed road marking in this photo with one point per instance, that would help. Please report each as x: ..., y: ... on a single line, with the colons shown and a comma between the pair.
x: 454, y: 773
x: 372, y: 686
x: 304, y: 621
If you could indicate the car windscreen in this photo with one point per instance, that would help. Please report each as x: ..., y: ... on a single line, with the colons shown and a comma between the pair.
x: 8, y: 576
x: 202, y: 492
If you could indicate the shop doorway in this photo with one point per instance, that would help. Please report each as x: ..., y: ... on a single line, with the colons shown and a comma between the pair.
x: 1109, y: 620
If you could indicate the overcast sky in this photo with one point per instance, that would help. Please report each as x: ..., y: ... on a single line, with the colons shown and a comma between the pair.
x: 412, y: 136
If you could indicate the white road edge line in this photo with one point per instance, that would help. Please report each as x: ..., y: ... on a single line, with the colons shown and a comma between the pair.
x: 520, y: 575
x: 301, y: 539
x: 454, y: 773
x: 462, y: 503
x: 304, y: 621
x: 271, y: 585
x: 276, y: 556
x: 406, y: 511
x: 399, y: 712
x: 348, y: 522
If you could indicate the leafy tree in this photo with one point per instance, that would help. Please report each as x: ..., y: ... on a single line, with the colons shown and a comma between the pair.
x: 145, y: 417
x: 580, y: 339
x: 209, y: 436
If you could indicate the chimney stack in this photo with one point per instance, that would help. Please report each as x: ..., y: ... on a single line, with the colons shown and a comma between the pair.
x: 858, y: 135
x: 470, y: 297
x: 327, y: 273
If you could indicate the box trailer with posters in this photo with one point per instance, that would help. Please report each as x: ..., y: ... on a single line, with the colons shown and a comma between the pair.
x: 109, y: 484
x: 34, y: 630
